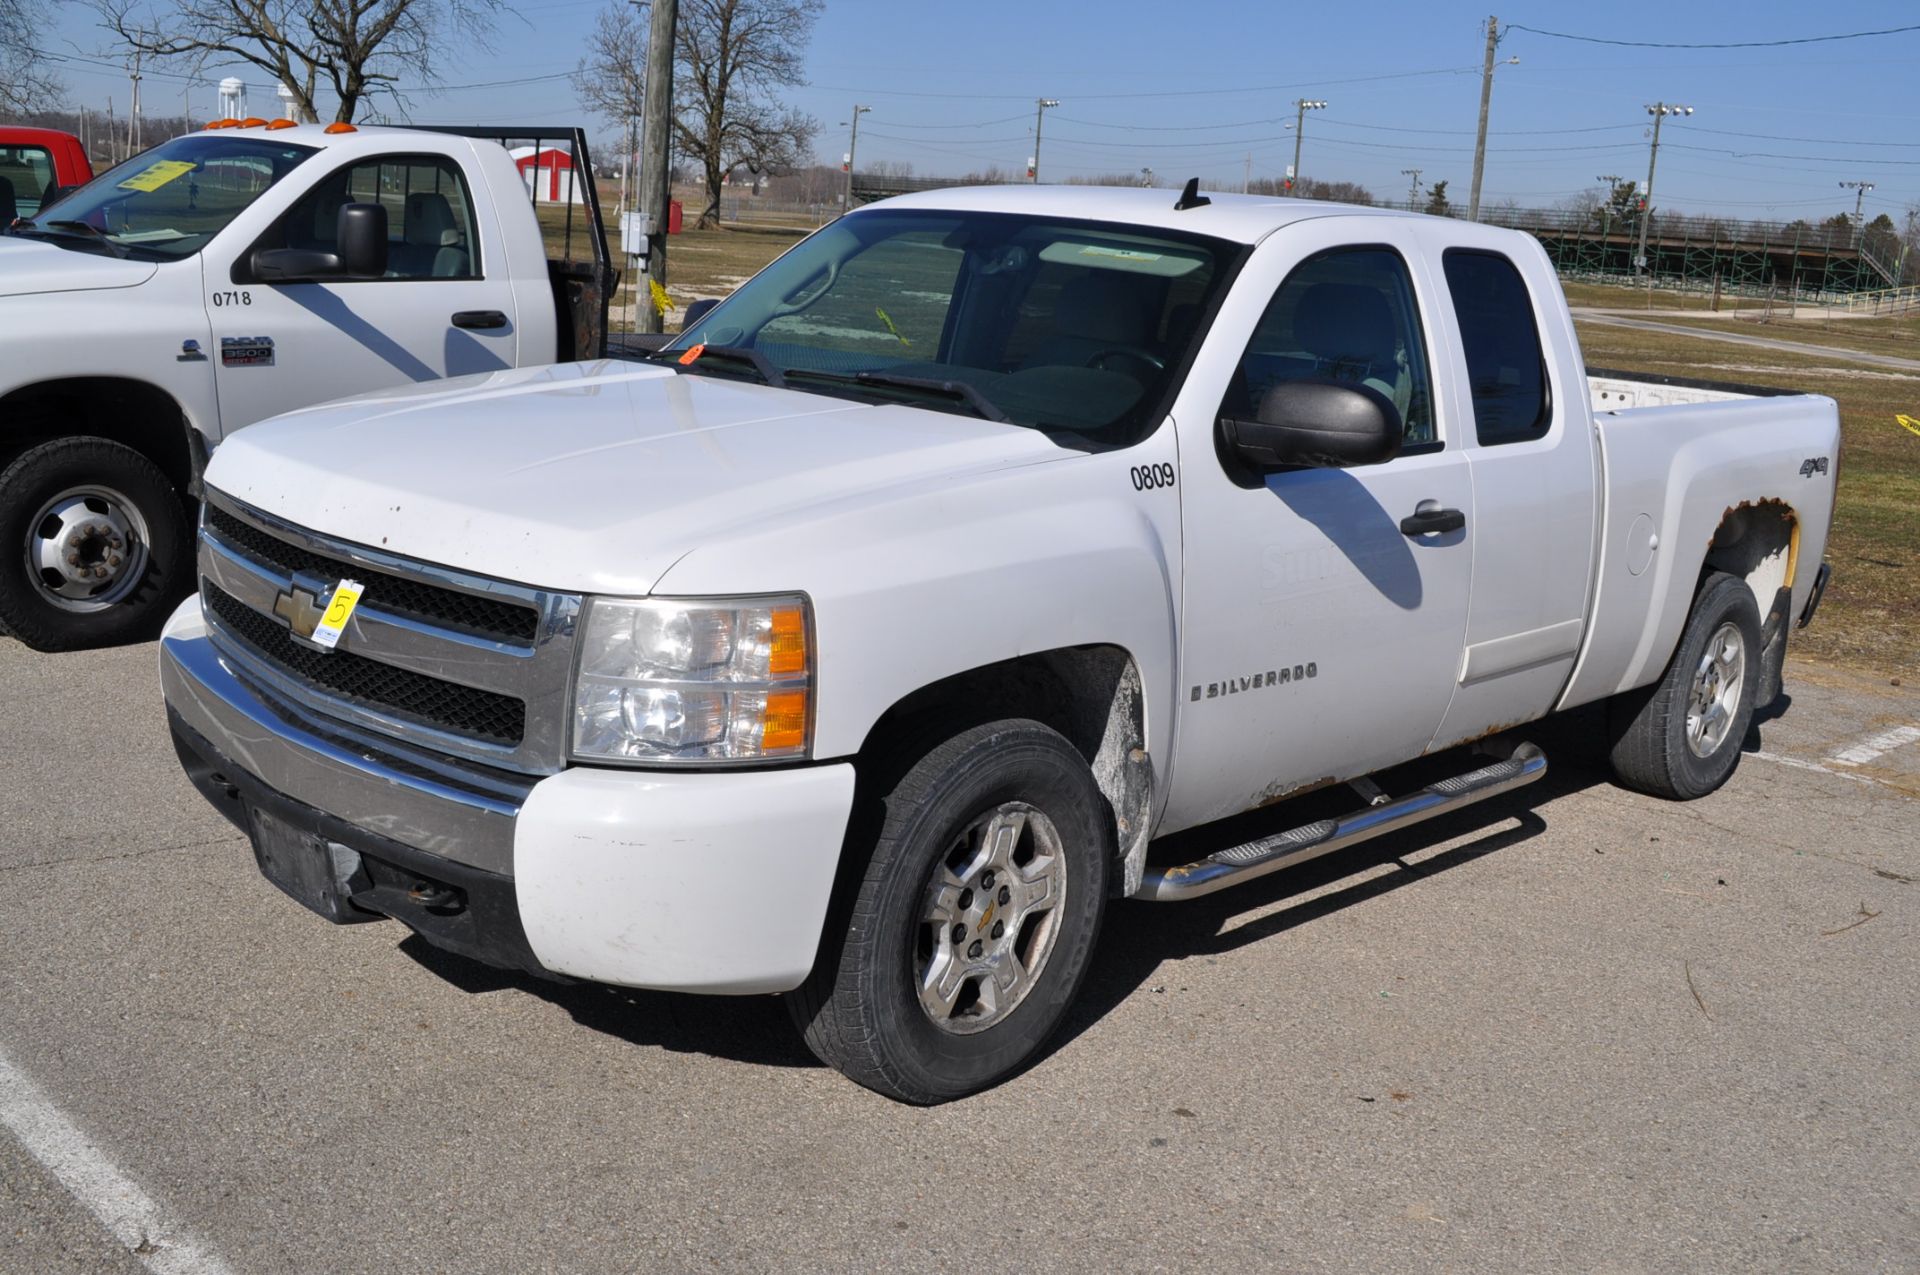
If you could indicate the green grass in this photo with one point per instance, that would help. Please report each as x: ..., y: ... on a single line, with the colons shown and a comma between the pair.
x: 1871, y: 616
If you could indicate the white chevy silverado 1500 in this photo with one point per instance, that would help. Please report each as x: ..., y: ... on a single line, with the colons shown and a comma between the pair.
x: 235, y: 274
x: 860, y: 648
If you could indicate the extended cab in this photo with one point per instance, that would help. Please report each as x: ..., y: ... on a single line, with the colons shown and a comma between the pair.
x: 870, y: 641
x: 234, y: 274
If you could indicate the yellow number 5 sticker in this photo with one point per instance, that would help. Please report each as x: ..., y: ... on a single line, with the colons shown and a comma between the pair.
x: 346, y: 595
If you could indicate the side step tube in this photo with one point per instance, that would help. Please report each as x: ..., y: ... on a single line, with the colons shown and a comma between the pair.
x: 1297, y: 845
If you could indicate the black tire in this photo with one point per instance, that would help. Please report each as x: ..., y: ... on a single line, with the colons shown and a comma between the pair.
x: 861, y: 1010
x: 156, y: 553
x: 1661, y: 743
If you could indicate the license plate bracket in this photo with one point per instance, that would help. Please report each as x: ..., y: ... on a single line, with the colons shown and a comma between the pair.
x: 314, y: 872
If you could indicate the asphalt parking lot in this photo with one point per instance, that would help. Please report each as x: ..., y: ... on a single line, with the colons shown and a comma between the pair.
x: 1572, y: 1029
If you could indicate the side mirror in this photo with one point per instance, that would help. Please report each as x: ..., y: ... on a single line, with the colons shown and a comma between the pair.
x: 697, y: 311
x: 360, y: 235
x: 1326, y: 424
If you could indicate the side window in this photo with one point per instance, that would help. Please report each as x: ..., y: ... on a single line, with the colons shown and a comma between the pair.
x: 430, y: 232
x: 1346, y: 315
x: 25, y: 174
x: 1505, y: 367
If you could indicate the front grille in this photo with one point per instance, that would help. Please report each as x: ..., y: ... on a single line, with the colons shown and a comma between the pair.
x: 461, y: 710
x: 484, y: 617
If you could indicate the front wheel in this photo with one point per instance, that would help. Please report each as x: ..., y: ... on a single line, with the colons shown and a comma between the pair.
x: 1680, y: 738
x: 975, y: 921
x: 94, y: 545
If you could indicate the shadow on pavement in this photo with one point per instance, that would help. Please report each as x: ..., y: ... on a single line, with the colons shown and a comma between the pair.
x: 1138, y: 937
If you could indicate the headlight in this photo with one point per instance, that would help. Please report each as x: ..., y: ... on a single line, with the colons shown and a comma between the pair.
x: 704, y: 680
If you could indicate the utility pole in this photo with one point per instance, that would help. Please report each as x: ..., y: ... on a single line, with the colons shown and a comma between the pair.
x: 853, y: 145
x: 1613, y: 181
x: 656, y: 174
x: 1659, y: 111
x: 1413, y: 187
x: 1859, y: 190
x: 133, y: 111
x: 1041, y: 105
x: 1246, y: 182
x: 1300, y: 108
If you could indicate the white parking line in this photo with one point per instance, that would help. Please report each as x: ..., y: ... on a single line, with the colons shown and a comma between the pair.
x: 1868, y: 749
x: 91, y: 1178
x: 1814, y: 766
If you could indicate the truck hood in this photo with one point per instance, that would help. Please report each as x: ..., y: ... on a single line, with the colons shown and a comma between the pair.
x: 592, y: 477
x: 33, y: 266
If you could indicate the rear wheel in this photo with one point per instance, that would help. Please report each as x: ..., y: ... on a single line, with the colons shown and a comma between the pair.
x: 1681, y: 737
x: 94, y: 545
x: 975, y: 921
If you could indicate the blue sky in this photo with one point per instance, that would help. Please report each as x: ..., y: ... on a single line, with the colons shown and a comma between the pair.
x: 1199, y: 87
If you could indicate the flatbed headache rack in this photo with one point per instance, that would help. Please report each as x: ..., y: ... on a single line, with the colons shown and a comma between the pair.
x: 583, y: 288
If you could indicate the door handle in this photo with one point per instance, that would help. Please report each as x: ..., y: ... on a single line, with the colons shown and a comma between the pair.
x: 1426, y: 522
x: 479, y: 319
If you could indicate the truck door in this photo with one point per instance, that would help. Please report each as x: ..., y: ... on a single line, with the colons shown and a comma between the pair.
x: 436, y: 313
x: 1534, y: 479
x: 1320, y: 639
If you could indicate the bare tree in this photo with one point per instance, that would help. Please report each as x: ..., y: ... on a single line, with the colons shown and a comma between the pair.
x: 25, y: 82
x: 731, y: 55
x: 609, y: 79
x: 358, y: 48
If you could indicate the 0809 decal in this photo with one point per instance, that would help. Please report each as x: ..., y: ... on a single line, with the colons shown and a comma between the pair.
x: 1150, y: 477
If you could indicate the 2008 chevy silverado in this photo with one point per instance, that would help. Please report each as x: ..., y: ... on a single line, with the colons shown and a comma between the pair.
x: 861, y: 648
x: 234, y: 274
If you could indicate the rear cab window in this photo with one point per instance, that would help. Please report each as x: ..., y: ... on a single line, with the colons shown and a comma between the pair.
x: 1506, y: 367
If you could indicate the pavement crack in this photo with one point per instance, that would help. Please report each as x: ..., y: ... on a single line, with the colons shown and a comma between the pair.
x: 126, y: 854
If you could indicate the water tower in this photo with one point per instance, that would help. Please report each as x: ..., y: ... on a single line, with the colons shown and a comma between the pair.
x: 286, y: 102
x: 233, y: 98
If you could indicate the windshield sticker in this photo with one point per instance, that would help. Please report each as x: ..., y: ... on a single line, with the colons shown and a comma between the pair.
x: 1125, y: 254
x: 158, y: 174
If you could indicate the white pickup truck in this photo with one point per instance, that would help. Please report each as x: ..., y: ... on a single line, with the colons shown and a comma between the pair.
x: 234, y: 274
x: 869, y: 641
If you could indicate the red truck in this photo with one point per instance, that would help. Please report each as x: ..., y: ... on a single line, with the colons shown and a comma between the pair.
x: 37, y: 165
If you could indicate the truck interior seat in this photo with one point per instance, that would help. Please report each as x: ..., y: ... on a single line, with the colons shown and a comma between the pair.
x: 1349, y: 330
x: 433, y: 245
x: 1099, y: 311
x: 8, y: 208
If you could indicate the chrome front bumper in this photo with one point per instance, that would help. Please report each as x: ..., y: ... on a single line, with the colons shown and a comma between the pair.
x: 419, y: 800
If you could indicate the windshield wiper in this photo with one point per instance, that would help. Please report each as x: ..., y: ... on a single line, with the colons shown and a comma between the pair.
x: 767, y: 372
x: 93, y: 232
x: 961, y: 392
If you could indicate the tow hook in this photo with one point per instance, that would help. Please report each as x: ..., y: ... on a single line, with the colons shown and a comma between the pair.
x: 435, y: 897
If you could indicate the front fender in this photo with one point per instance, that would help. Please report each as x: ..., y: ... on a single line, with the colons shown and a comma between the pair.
x: 931, y: 580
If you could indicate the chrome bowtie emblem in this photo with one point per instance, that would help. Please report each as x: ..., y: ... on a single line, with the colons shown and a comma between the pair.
x: 301, y: 610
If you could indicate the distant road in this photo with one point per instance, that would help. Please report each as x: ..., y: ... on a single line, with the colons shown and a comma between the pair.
x: 1586, y: 315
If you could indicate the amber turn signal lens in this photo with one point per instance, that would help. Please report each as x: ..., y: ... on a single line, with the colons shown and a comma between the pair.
x: 786, y: 722
x: 787, y: 649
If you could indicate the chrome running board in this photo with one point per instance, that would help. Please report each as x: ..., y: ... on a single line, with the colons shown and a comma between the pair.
x: 1296, y: 845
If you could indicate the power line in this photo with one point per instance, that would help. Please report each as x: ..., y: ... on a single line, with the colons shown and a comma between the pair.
x: 1741, y: 44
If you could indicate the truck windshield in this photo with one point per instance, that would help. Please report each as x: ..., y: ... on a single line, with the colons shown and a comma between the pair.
x: 170, y: 201
x: 1069, y: 325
